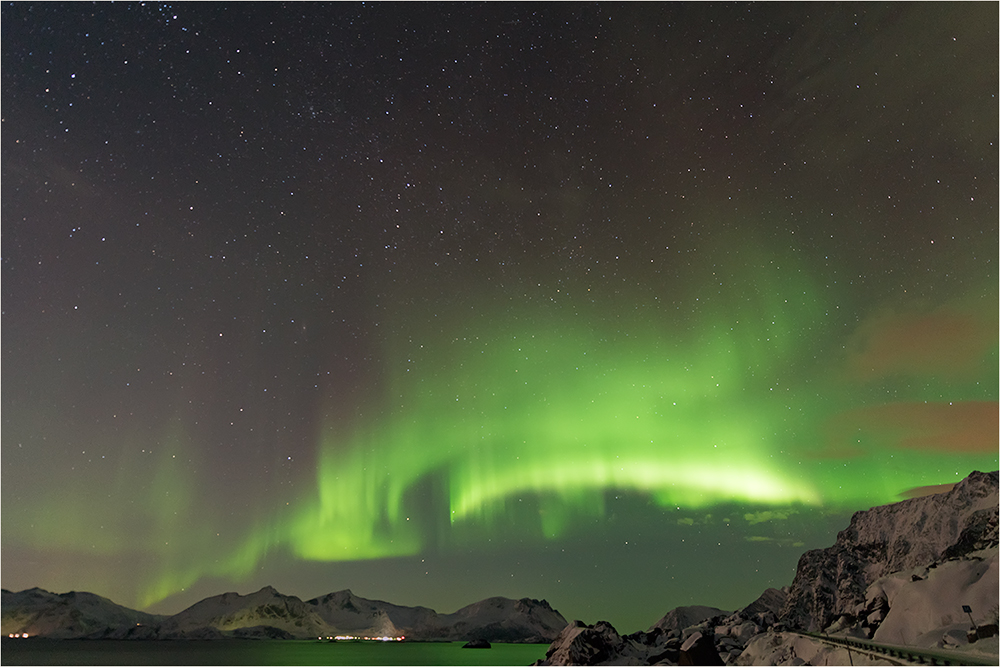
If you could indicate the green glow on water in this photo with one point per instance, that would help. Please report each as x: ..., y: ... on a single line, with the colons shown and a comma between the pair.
x: 265, y: 652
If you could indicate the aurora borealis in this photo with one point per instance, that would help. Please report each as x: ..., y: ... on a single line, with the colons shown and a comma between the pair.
x: 623, y: 307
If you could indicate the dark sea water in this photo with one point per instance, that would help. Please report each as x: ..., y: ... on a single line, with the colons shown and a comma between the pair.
x: 260, y: 652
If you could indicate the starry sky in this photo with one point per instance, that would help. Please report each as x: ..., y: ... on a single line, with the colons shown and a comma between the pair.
x: 621, y: 306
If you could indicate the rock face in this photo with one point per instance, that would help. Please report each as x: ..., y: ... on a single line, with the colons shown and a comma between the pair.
x: 831, y: 582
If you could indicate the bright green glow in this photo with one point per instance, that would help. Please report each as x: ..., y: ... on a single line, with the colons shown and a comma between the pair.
x: 520, y: 424
x: 524, y: 427
x: 563, y: 413
x: 564, y: 417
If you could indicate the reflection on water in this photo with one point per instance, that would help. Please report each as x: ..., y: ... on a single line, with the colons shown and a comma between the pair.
x: 261, y: 652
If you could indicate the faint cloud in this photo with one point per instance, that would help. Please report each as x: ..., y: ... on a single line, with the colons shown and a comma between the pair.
x: 695, y: 521
x: 921, y: 491
x: 768, y: 515
x: 967, y: 427
x: 780, y: 541
x: 948, y: 342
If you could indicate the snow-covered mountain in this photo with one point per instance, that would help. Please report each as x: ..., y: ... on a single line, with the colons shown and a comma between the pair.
x: 355, y: 615
x: 39, y: 612
x: 231, y: 611
x: 493, y: 619
x: 524, y: 620
x: 268, y: 613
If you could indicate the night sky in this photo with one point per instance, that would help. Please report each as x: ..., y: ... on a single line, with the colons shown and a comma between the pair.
x: 621, y: 306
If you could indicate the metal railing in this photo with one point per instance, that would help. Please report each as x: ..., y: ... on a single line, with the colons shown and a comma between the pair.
x: 919, y: 656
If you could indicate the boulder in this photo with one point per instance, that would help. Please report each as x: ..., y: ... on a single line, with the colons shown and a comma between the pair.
x: 598, y: 644
x: 698, y: 649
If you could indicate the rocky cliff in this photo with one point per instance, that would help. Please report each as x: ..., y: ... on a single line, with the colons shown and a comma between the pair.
x: 831, y: 582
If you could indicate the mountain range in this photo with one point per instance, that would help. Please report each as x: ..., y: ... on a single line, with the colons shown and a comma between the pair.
x: 270, y: 614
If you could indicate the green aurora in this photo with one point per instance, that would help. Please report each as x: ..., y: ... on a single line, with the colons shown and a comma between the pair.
x: 621, y: 306
x: 500, y: 431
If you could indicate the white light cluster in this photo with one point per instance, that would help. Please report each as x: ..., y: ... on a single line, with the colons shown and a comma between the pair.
x: 342, y: 638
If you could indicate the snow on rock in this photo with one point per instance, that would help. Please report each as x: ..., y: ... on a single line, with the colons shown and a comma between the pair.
x: 68, y: 615
x: 740, y: 632
x: 891, y: 538
x: 496, y: 619
x: 505, y: 620
x: 685, y: 635
x: 923, y: 609
x: 780, y: 648
x: 770, y: 602
x: 350, y: 614
x: 685, y: 617
x: 267, y: 606
x: 598, y: 644
x: 268, y: 613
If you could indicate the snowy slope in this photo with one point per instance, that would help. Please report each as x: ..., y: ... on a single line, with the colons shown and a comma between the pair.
x: 266, y: 607
x: 925, y: 604
x: 524, y: 620
x: 39, y: 612
x: 351, y: 614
